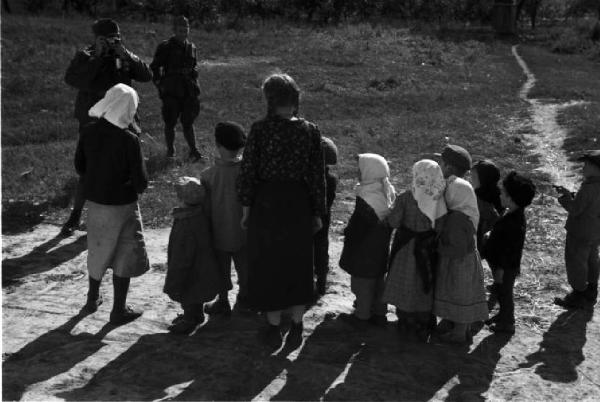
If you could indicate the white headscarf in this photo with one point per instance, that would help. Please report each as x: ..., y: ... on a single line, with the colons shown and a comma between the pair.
x: 461, y: 197
x: 118, y: 106
x: 428, y: 187
x: 375, y: 187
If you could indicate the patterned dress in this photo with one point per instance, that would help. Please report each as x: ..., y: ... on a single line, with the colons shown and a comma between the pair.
x: 282, y: 180
x: 404, y: 286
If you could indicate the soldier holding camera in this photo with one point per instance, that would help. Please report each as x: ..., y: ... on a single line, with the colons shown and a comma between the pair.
x: 93, y: 71
x: 176, y: 77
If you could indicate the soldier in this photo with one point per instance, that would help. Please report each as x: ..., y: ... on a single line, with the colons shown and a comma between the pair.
x: 93, y: 71
x: 175, y: 76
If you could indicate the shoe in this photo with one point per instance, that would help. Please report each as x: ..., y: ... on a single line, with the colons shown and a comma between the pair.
x: 500, y: 327
x: 195, y: 156
x: 573, y: 300
x: 271, y: 336
x: 184, y: 326
x: 125, y: 316
x: 71, y: 225
x: 218, y: 307
x: 91, y: 306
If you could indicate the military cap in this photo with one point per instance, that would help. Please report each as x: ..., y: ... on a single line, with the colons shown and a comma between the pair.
x: 106, y: 27
x: 457, y: 156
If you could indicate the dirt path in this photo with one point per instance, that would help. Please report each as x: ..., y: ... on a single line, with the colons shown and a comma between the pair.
x: 51, y: 352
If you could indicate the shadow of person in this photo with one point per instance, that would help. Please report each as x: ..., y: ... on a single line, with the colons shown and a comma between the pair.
x: 561, y: 349
x: 41, y: 259
x: 49, y: 355
x: 222, y: 360
x: 477, y: 372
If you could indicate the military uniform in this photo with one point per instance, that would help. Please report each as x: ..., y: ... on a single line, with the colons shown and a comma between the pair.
x: 175, y: 75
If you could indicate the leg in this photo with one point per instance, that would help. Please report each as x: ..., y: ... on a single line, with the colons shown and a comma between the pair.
x: 78, y: 202
x: 505, y: 321
x: 593, y: 273
x: 221, y: 304
x: 170, y: 113
x: 271, y: 335
x: 93, y: 297
x: 321, y: 255
x: 189, y: 112
x: 362, y: 289
x: 378, y: 308
x: 295, y: 334
x: 576, y: 260
x: 121, y: 313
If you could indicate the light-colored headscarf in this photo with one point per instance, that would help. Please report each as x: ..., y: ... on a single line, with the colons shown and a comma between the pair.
x: 428, y: 187
x: 461, y: 197
x: 375, y: 187
x: 118, y: 106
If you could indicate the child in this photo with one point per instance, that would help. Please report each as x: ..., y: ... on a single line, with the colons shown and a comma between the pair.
x: 192, y: 277
x: 410, y: 280
x: 229, y: 239
x: 367, y: 238
x: 504, y: 247
x: 583, y: 235
x: 484, y: 178
x: 321, y: 238
x: 459, y: 291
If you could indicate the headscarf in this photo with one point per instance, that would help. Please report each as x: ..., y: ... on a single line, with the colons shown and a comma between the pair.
x: 118, y: 106
x: 374, y: 186
x: 428, y: 187
x: 461, y: 197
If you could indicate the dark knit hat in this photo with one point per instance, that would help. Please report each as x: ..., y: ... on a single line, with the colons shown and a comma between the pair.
x: 106, y: 27
x: 488, y: 172
x: 520, y: 188
x: 592, y: 157
x: 457, y: 156
x: 230, y: 135
x: 181, y: 21
x: 330, y: 151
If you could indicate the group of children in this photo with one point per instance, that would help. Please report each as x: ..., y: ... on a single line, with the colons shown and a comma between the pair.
x: 419, y: 250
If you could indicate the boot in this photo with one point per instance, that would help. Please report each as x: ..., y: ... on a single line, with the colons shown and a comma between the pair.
x: 169, y: 140
x: 72, y: 223
x: 219, y: 306
x: 190, y: 137
x: 93, y: 297
x: 573, y: 300
x: 192, y: 317
x: 121, y: 312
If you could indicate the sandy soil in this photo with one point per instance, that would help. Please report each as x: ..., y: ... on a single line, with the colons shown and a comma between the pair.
x: 52, y: 352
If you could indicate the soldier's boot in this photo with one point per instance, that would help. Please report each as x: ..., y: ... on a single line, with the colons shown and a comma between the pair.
x: 190, y: 137
x: 169, y: 140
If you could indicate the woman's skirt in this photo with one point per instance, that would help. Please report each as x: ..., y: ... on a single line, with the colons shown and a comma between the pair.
x: 459, y: 290
x: 280, y: 247
x: 404, y: 285
x: 115, y: 239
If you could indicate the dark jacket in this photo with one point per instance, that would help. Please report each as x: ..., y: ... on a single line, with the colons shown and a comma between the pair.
x: 110, y: 160
x: 174, y: 69
x: 504, y: 248
x: 366, y: 244
x: 583, y: 221
x: 93, y: 76
x: 192, y: 273
x: 488, y: 216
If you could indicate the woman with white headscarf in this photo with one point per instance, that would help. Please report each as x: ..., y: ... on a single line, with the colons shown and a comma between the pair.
x: 109, y: 157
x: 459, y: 288
x: 410, y: 281
x: 367, y: 239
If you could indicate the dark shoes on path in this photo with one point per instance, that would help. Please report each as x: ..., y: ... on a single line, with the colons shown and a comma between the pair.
x: 124, y: 316
x: 218, y: 306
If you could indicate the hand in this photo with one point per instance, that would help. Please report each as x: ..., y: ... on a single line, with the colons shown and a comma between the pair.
x: 100, y: 46
x: 121, y: 51
x: 317, y: 224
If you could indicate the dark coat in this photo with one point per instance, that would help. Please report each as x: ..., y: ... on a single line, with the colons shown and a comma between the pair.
x: 504, y: 248
x: 110, y: 160
x: 457, y: 236
x: 174, y: 69
x: 192, y: 272
x: 366, y: 244
x: 583, y: 221
x: 93, y: 76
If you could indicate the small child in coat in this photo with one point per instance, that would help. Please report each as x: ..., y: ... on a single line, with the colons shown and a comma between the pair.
x: 321, y: 238
x: 229, y: 239
x: 192, y: 276
x: 367, y: 239
x: 583, y: 235
x: 504, y: 247
x: 484, y: 178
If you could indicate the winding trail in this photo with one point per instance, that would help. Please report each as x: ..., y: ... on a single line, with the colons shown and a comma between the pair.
x: 548, y: 136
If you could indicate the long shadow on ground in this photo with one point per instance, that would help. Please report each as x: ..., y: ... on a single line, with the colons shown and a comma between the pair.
x: 561, y: 349
x: 51, y: 354
x: 41, y: 259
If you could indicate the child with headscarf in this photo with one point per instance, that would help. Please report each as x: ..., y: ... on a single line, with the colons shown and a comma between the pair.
x: 409, y: 284
x: 459, y: 290
x: 367, y: 238
x: 192, y: 273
